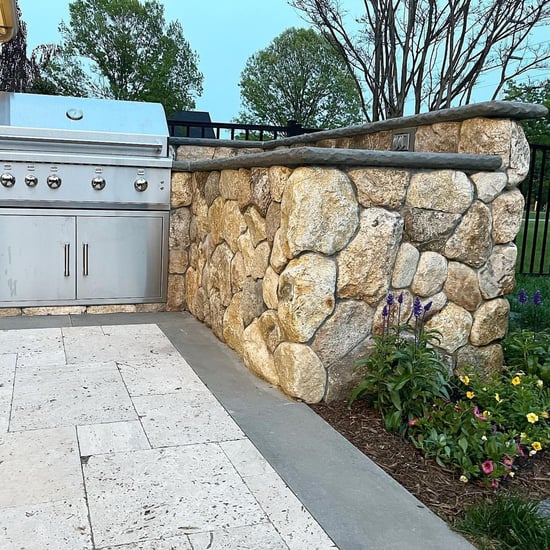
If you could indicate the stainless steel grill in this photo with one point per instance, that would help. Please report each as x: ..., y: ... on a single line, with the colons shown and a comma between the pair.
x: 84, y: 201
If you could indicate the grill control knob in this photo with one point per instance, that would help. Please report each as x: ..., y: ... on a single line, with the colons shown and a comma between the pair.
x: 53, y: 181
x: 31, y: 180
x: 8, y: 180
x: 98, y: 183
x: 141, y: 184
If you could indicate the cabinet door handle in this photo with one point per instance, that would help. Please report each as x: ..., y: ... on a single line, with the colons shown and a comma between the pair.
x: 85, y: 259
x: 67, y: 271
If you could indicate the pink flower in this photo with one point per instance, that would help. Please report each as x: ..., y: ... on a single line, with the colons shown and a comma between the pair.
x: 413, y: 421
x: 508, y: 462
x: 520, y: 450
x: 487, y: 467
x: 494, y: 484
x: 478, y: 415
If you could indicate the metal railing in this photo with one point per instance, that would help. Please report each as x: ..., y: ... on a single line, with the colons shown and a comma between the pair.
x: 533, y: 239
x: 230, y: 130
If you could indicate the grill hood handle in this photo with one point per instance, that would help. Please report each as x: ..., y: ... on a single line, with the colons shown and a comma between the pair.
x: 137, y: 145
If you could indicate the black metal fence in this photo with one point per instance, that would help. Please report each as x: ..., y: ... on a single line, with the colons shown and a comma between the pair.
x: 230, y: 130
x: 533, y: 239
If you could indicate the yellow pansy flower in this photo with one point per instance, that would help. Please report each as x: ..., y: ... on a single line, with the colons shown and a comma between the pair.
x: 497, y: 397
x: 516, y: 380
x: 470, y: 394
x: 544, y: 414
x: 536, y: 445
x: 464, y: 379
x: 532, y: 418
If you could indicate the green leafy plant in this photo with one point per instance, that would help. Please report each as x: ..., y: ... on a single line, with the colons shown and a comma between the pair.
x: 404, y: 374
x: 476, y: 424
x: 489, y: 423
x: 508, y: 522
x: 529, y: 352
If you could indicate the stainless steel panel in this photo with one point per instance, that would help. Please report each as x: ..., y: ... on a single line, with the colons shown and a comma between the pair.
x: 42, y: 257
x: 35, y: 258
x: 81, y: 157
x: 84, y: 119
x: 121, y: 257
x: 76, y: 187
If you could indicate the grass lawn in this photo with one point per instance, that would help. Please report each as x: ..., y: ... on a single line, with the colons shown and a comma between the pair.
x: 534, y: 250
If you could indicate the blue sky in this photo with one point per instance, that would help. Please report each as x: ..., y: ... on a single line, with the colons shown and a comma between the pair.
x: 224, y: 33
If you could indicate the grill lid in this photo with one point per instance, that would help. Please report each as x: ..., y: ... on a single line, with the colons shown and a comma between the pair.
x: 36, y: 122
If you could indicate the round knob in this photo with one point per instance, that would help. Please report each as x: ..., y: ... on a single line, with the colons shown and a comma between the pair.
x: 141, y: 184
x: 98, y: 183
x: 8, y: 180
x: 53, y: 181
x: 31, y: 180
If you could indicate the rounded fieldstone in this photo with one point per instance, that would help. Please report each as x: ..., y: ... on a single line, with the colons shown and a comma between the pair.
x: 301, y: 373
x: 319, y: 211
x: 365, y: 265
x: 507, y: 213
x: 490, y: 322
x: 405, y: 266
x: 233, y: 326
x: 462, y: 286
x: 380, y: 186
x: 349, y: 325
x: 306, y: 295
x: 430, y: 275
x: 453, y: 324
x: 444, y: 190
x: 471, y: 241
x: 497, y: 276
x: 256, y: 354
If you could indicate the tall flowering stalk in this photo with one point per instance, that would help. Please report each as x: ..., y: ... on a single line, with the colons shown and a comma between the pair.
x: 529, y: 308
x: 403, y: 373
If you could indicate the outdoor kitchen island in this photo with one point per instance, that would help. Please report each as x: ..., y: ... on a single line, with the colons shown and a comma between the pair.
x: 84, y: 201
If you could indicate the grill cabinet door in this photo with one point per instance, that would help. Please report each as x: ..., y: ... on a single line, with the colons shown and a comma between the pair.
x: 36, y: 259
x: 120, y: 257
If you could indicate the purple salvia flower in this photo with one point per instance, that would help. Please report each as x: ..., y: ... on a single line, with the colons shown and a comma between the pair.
x: 400, y: 298
x: 537, y: 298
x: 417, y: 307
x: 522, y: 296
x: 385, y: 311
x: 390, y: 299
x: 427, y: 307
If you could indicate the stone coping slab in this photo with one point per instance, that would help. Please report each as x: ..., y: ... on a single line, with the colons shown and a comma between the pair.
x: 514, y: 110
x: 326, y: 156
x: 353, y: 500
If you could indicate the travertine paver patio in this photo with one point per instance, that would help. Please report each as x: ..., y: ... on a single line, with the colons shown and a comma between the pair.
x: 109, y: 440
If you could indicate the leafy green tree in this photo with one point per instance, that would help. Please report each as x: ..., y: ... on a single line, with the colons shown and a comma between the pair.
x: 536, y: 130
x: 301, y: 77
x: 123, y: 49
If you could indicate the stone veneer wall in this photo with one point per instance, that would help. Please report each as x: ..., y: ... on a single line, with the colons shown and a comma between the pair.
x: 290, y: 264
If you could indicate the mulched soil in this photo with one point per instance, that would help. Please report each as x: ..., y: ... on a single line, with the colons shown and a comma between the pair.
x: 438, y: 488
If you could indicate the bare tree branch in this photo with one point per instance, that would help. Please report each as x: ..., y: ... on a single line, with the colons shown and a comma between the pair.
x: 431, y: 54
